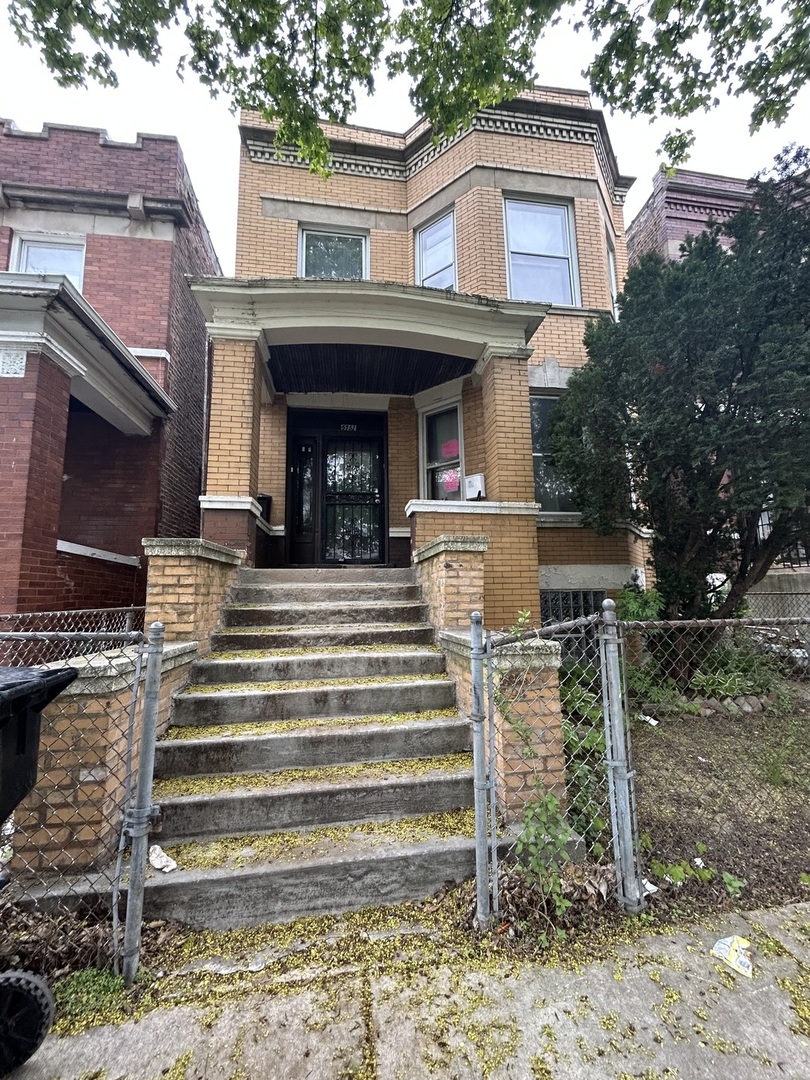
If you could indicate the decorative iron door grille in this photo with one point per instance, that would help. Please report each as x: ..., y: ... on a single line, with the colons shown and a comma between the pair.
x: 353, y: 500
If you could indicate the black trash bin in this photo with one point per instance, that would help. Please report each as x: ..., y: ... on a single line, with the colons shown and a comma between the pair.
x: 26, y: 1003
x: 24, y: 693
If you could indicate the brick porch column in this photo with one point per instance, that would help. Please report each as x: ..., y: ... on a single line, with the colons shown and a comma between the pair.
x: 34, y: 398
x: 229, y: 506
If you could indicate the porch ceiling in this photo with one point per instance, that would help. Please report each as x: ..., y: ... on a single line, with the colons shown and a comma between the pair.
x: 364, y: 336
x: 361, y: 369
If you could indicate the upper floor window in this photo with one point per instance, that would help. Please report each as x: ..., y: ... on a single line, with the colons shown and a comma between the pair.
x: 333, y: 255
x: 50, y: 256
x: 541, y: 252
x: 552, y: 492
x: 613, y: 280
x: 436, y: 254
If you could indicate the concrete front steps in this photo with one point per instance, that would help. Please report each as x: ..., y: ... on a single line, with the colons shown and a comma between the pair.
x: 316, y: 763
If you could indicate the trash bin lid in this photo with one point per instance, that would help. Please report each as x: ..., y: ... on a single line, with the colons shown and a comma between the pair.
x: 31, y: 687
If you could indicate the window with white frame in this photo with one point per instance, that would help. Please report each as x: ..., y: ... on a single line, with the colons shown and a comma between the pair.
x: 552, y: 492
x: 50, y: 255
x: 541, y: 263
x: 333, y: 255
x: 436, y: 254
x: 443, y: 455
x: 612, y: 278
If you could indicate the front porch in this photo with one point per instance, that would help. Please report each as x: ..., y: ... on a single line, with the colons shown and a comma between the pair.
x: 346, y: 415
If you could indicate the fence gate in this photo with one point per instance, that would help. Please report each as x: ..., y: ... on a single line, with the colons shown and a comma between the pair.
x: 62, y: 850
x: 554, y: 781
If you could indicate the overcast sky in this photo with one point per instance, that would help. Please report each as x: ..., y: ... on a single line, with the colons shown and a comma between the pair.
x: 152, y: 99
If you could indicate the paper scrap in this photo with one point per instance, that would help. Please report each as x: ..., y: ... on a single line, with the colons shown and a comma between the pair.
x: 648, y: 719
x: 734, y: 952
x: 648, y: 887
x: 160, y: 860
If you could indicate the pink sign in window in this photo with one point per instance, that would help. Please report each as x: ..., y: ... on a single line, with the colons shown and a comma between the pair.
x: 450, y: 448
x: 450, y: 480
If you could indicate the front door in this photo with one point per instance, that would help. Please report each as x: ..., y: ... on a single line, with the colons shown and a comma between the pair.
x: 337, y: 487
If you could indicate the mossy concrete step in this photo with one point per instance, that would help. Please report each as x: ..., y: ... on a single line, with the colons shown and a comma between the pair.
x: 324, y: 613
x: 310, y: 637
x: 222, y: 899
x: 326, y: 575
x: 300, y: 798
x: 247, y: 705
x: 328, y: 592
x: 319, y: 665
x: 311, y: 747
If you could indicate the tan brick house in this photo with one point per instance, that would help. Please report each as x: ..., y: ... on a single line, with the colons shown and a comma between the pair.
x: 386, y: 358
x: 103, y: 362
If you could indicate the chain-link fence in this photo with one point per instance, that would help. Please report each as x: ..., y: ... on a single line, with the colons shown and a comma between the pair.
x: 557, y: 775
x: 62, y: 850
x: 720, y: 719
x: 767, y: 601
x: 715, y: 803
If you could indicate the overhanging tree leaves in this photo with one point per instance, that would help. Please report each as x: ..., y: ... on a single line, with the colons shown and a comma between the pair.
x: 698, y: 401
x: 298, y: 60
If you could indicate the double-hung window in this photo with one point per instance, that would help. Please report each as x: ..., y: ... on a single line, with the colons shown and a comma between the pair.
x: 542, y: 265
x: 553, y: 493
x: 333, y: 255
x: 613, y: 281
x: 51, y: 256
x: 443, y: 455
x: 436, y: 254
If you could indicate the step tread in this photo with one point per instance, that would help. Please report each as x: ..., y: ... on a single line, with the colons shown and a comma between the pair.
x: 226, y: 656
x: 309, y: 726
x: 322, y: 843
x: 312, y: 780
x: 206, y: 690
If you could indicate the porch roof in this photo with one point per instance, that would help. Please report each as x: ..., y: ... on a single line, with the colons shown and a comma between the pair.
x: 46, y: 313
x: 365, y: 336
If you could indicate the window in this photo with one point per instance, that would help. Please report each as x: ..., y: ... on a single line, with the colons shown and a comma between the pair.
x: 443, y: 455
x: 333, y: 255
x: 541, y: 260
x: 436, y: 254
x: 612, y: 279
x: 51, y: 257
x: 553, y: 494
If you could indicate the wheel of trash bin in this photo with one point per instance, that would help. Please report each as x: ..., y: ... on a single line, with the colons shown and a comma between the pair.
x: 26, y: 1015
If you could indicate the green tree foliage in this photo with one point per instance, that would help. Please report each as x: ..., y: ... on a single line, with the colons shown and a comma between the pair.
x: 698, y: 400
x: 297, y: 60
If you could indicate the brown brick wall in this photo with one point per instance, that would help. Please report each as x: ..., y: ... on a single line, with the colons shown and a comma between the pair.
x: 510, y: 563
x: 110, y: 492
x: 273, y: 457
x: 403, y: 474
x: 93, y: 583
x: 33, y: 428
x: 74, y: 158
x: 472, y: 412
x: 234, y: 431
x: 507, y: 431
x: 128, y: 282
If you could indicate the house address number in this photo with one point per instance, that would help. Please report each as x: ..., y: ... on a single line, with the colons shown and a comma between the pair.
x: 348, y: 427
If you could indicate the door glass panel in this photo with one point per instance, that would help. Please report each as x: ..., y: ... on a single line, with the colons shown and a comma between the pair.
x: 305, y: 472
x: 353, y: 500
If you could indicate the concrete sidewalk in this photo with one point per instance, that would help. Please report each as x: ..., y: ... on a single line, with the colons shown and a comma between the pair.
x: 661, y: 1007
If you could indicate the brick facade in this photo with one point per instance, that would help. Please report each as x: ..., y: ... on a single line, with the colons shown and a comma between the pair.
x: 549, y: 147
x: 133, y: 210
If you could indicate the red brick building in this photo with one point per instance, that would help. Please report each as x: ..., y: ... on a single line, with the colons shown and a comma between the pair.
x: 386, y: 359
x: 682, y: 205
x: 103, y: 362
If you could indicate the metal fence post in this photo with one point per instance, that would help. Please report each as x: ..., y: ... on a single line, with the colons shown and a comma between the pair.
x: 140, y: 813
x: 479, y: 771
x: 620, y: 776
